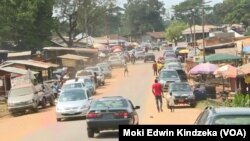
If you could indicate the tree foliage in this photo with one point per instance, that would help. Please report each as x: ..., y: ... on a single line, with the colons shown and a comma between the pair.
x: 142, y: 16
x: 174, y: 31
x: 79, y: 16
x: 25, y: 23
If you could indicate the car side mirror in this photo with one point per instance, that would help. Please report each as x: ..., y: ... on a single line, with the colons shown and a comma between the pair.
x: 137, y: 107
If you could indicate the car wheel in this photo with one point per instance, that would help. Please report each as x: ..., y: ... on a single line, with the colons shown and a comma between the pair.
x: 193, y: 105
x: 44, y: 103
x: 52, y: 101
x: 145, y: 61
x: 14, y: 114
x: 35, y: 109
x: 90, y: 133
x: 58, y: 119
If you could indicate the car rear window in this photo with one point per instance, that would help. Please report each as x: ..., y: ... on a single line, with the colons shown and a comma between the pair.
x: 232, y: 120
x: 73, y: 85
x: 168, y: 74
x: 121, y: 103
x: 94, y: 69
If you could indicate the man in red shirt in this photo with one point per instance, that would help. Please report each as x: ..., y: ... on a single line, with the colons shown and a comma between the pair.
x: 158, y: 93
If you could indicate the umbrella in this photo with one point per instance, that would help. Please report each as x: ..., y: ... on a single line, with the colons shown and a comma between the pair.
x: 221, y: 57
x: 245, y: 68
x: 117, y: 50
x: 246, y: 49
x: 226, y: 71
x: 204, y: 68
x: 184, y: 51
x: 116, y: 47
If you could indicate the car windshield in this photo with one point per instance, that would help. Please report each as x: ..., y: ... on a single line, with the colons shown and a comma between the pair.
x: 181, y: 87
x: 21, y: 91
x: 232, y: 120
x: 73, y: 85
x: 110, y: 104
x: 72, y: 95
x: 105, y: 68
x: 168, y: 74
x: 114, y: 58
x: 88, y: 81
x: 174, y: 66
x: 84, y: 73
x: 94, y: 69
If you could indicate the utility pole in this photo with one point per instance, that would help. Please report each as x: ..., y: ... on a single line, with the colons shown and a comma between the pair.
x: 203, y: 33
x: 194, y: 43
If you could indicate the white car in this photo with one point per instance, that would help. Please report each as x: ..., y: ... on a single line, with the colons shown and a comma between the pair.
x: 72, y: 103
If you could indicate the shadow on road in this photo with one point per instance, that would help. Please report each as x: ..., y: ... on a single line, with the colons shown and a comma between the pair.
x: 110, y: 134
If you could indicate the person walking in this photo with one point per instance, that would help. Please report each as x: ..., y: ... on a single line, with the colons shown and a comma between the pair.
x: 125, y: 69
x: 155, y: 69
x: 158, y: 93
x: 159, y: 66
x: 171, y: 102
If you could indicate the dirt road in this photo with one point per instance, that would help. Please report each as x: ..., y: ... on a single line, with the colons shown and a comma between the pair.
x: 42, y: 126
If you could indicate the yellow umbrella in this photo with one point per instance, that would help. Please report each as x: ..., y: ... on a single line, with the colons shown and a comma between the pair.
x: 184, y: 51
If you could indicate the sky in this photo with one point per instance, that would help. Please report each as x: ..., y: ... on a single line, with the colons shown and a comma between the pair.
x: 170, y: 3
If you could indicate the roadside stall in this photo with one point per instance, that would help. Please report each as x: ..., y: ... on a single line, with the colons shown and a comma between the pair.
x: 73, y: 63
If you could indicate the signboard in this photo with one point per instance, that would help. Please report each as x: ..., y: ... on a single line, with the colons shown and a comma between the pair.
x: 23, y: 79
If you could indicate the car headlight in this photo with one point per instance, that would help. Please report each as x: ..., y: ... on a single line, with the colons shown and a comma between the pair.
x: 30, y: 102
x: 58, y: 109
x: 11, y: 104
x: 191, y: 96
x: 84, y: 107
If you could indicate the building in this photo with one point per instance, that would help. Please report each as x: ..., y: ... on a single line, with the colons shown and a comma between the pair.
x: 196, y: 32
x: 153, y: 37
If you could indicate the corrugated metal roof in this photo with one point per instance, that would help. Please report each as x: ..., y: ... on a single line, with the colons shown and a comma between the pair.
x: 16, y: 70
x: 87, y: 50
x: 34, y: 63
x: 17, y: 54
x: 73, y: 57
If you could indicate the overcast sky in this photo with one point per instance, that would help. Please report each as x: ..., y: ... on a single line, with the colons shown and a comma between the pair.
x: 170, y: 3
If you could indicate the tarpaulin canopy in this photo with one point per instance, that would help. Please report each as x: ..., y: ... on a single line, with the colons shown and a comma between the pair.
x: 221, y: 57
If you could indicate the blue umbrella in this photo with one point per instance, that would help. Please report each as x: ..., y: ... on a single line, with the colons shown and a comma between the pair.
x: 246, y: 49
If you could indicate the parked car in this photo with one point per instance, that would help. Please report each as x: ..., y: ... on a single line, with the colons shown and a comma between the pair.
x: 170, y: 60
x: 182, y: 74
x: 149, y: 57
x: 100, y: 75
x: 168, y: 76
x: 108, y: 113
x: 174, y: 65
x: 182, y: 93
x: 25, y: 97
x: 89, y: 82
x: 224, y: 116
x: 116, y: 61
x: 72, y: 103
x: 78, y: 83
x: 107, y: 70
x: 139, y: 55
x: 155, y: 47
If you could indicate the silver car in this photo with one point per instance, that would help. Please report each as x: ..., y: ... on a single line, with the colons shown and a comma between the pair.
x: 116, y: 61
x: 72, y: 103
x: 106, y: 69
x: 168, y: 76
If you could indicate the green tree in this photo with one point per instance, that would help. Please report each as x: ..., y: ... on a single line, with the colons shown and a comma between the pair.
x: 79, y: 16
x: 27, y: 24
x: 142, y: 16
x: 174, y: 31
